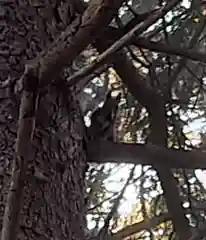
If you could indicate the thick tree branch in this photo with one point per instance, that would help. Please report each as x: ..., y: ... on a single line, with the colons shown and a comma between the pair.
x: 24, y: 157
x: 104, y: 151
x: 136, y: 31
x: 158, y: 46
x: 76, y: 37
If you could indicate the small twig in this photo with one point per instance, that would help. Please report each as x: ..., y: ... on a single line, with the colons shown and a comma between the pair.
x: 103, y: 231
x: 183, y: 61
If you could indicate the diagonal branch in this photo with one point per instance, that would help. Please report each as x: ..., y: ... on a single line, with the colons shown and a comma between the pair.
x: 23, y: 159
x: 143, y: 225
x: 158, y: 46
x: 83, y: 30
x: 104, y: 230
x: 161, y: 47
x: 136, y: 31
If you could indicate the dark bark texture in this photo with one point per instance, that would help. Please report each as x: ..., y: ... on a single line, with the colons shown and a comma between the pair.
x: 52, y: 209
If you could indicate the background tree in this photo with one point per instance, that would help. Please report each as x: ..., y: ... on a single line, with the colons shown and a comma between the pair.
x: 46, y: 195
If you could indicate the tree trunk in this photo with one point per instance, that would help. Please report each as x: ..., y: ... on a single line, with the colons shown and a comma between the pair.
x: 52, y: 209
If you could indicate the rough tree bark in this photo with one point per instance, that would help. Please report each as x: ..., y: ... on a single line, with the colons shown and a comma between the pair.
x: 50, y: 210
x: 45, y: 68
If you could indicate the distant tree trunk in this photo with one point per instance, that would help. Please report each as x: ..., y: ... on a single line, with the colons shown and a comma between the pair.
x: 158, y: 136
x: 53, y: 209
x: 155, y: 106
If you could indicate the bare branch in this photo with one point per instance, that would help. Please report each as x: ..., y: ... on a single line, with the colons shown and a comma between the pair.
x: 83, y: 30
x: 103, y: 151
x: 103, y: 232
x: 24, y: 157
x: 137, y: 227
x: 169, y: 49
x: 137, y: 30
